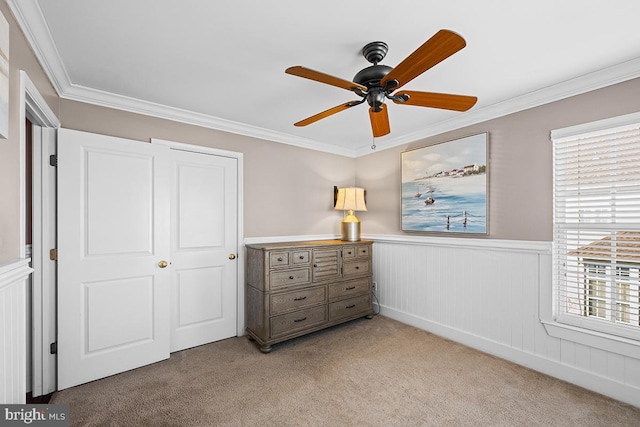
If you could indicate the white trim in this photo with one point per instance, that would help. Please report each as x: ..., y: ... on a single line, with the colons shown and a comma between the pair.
x: 240, y: 257
x: 33, y: 106
x: 27, y: 13
x: 13, y: 283
x: 465, y: 243
x: 33, y: 25
x: 568, y: 327
x: 539, y: 247
x: 605, y: 124
x: 596, y: 80
x: 13, y: 272
x: 582, y: 378
x: 607, y: 342
x: 173, y: 145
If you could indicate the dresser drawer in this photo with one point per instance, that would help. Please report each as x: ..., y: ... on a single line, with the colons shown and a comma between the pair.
x: 298, y: 320
x: 351, y: 288
x: 349, y: 252
x: 286, y: 278
x: 278, y: 259
x: 356, y: 268
x: 299, y: 258
x: 356, y: 251
x: 281, y: 303
x: 363, y: 251
x: 350, y: 307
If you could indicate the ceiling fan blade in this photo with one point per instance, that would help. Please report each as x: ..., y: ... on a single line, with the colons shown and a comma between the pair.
x: 379, y: 121
x: 327, y: 113
x: 317, y: 76
x: 438, y: 100
x: 435, y: 50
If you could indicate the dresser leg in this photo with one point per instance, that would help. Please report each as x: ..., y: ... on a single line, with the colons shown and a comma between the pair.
x: 369, y: 316
x: 266, y: 349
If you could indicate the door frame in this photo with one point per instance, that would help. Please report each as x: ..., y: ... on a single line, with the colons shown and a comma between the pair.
x: 240, y: 256
x: 43, y: 367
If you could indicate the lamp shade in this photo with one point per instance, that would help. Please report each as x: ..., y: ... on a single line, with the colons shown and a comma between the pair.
x: 350, y: 198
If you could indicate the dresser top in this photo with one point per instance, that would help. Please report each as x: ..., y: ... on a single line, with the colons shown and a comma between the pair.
x: 308, y: 243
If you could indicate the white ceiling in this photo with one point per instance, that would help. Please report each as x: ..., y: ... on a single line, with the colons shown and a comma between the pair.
x: 221, y: 64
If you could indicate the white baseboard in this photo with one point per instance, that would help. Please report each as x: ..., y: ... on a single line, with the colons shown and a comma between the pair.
x: 585, y: 379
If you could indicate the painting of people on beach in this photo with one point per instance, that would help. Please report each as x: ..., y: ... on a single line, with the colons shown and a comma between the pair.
x: 444, y: 187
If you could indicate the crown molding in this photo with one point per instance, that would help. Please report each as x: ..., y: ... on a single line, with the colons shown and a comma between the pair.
x: 30, y: 19
x: 579, y: 85
x: 110, y: 100
x: 33, y: 25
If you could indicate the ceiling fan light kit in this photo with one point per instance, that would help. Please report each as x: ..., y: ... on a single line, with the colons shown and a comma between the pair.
x: 376, y: 83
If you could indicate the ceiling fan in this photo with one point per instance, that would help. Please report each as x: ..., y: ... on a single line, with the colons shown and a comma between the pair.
x: 378, y: 82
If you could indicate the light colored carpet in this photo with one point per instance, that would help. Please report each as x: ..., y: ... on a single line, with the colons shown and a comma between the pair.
x: 375, y: 372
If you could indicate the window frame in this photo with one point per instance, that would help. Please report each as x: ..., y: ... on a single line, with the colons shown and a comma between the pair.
x: 578, y: 328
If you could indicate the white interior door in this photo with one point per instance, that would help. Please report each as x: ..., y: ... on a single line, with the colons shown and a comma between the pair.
x: 204, y: 223
x: 43, y: 309
x: 113, y: 231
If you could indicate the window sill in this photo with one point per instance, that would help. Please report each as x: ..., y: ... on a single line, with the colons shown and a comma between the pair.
x: 607, y: 342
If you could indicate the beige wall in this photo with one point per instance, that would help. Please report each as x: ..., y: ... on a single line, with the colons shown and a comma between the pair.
x: 287, y: 190
x: 520, y: 181
x: 20, y: 58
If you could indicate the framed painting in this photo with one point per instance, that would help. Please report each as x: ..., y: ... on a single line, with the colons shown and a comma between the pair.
x: 445, y: 186
x: 4, y: 77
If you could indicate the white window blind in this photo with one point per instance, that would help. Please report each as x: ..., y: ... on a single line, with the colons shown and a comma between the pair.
x: 596, y: 255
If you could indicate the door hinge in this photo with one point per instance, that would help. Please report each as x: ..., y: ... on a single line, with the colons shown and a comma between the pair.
x: 53, y: 348
x: 53, y: 254
x: 53, y: 160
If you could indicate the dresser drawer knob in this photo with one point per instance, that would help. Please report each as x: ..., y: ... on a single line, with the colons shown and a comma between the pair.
x: 301, y: 256
x: 349, y: 288
x: 350, y: 306
x: 291, y: 277
x: 279, y: 258
x: 300, y: 320
x: 300, y: 298
x: 357, y: 267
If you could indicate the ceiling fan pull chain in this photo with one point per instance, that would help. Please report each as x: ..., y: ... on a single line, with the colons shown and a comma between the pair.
x: 373, y: 144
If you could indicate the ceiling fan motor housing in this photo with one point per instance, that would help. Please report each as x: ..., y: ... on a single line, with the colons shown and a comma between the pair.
x: 372, y: 75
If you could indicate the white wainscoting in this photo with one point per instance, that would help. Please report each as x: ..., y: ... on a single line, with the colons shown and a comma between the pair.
x: 13, y: 279
x: 484, y: 293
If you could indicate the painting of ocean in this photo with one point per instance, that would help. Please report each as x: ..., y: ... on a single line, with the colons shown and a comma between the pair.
x: 444, y: 187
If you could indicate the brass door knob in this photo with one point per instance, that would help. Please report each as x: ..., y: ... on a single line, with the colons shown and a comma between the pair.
x: 232, y: 256
x: 163, y: 264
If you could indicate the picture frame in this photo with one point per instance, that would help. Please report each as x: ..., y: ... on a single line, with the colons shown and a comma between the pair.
x: 444, y: 187
x: 4, y: 77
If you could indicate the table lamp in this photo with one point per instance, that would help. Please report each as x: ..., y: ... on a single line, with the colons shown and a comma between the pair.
x: 350, y: 199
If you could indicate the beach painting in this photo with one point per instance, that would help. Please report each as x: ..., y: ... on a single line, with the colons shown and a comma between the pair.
x: 444, y: 187
x: 4, y: 77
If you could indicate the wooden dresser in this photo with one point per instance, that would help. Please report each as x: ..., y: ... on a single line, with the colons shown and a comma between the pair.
x: 296, y: 288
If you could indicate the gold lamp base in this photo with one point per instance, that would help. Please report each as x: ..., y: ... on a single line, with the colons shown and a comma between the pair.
x: 350, y: 228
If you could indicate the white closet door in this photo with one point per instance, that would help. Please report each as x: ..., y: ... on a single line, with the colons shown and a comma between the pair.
x: 204, y: 224
x: 113, y: 233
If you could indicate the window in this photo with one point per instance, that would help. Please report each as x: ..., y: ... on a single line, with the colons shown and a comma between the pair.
x: 596, y: 243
